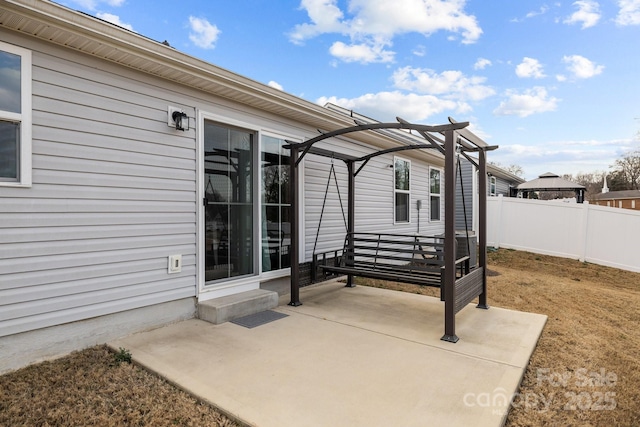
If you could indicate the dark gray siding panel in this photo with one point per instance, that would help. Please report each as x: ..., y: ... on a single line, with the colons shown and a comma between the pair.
x: 464, y: 193
x: 502, y: 187
x: 113, y: 195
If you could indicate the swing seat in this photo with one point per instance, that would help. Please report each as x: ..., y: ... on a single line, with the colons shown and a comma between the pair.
x: 413, y: 259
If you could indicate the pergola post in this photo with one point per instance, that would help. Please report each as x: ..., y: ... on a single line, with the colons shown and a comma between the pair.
x: 351, y: 217
x: 482, y: 225
x: 295, y: 223
x: 449, y: 237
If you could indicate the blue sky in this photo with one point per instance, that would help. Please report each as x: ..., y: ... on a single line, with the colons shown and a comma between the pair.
x: 554, y: 84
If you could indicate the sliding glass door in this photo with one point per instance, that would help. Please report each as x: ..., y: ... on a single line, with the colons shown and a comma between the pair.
x: 228, y: 193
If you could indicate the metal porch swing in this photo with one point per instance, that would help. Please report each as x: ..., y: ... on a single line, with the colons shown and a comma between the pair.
x: 416, y: 259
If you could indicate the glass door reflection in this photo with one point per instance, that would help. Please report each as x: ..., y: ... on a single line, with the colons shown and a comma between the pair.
x: 228, y: 178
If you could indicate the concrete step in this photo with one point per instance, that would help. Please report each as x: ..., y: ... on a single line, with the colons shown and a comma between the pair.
x: 225, y: 309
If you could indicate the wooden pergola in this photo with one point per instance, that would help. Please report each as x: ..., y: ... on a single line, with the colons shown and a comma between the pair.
x: 457, y: 140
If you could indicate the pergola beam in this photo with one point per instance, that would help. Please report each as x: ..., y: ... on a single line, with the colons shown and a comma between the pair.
x: 373, y: 126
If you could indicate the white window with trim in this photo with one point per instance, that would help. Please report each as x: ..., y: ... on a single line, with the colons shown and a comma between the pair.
x: 15, y: 116
x: 401, y: 190
x: 492, y: 186
x: 435, y: 194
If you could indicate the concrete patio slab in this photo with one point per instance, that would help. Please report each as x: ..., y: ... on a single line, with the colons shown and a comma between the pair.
x: 350, y: 357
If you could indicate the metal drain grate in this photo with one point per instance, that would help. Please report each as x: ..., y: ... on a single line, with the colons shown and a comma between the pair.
x: 257, y: 319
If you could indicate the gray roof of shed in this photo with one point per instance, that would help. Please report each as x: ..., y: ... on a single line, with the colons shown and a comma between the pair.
x: 550, y: 182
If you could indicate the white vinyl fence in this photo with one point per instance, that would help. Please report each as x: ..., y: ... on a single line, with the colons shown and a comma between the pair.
x: 596, y: 234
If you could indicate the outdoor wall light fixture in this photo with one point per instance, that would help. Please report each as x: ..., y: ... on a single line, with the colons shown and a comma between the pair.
x: 178, y: 118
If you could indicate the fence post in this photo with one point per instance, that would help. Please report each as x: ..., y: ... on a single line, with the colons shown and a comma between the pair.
x: 498, y: 222
x: 584, y: 229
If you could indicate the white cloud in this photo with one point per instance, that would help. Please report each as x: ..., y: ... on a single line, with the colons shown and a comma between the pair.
x: 114, y: 19
x: 481, y: 64
x: 581, y: 67
x: 563, y: 156
x: 385, y: 106
x: 203, y: 34
x: 451, y: 84
x: 374, y: 23
x: 629, y: 13
x: 420, y: 51
x: 588, y: 13
x: 543, y: 9
x: 275, y: 85
x: 364, y: 53
x: 431, y: 93
x: 530, y: 68
x: 325, y: 16
x: 561, y: 77
x: 531, y: 101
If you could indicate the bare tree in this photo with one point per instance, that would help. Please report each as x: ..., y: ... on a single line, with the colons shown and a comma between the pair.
x: 513, y: 169
x: 592, y: 181
x: 626, y: 175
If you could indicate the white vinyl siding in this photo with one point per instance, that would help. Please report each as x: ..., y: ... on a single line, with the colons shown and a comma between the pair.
x: 113, y: 195
x: 115, y: 192
x: 332, y: 229
x: 15, y: 116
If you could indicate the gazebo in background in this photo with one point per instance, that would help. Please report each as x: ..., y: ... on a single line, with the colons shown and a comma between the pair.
x: 551, y: 182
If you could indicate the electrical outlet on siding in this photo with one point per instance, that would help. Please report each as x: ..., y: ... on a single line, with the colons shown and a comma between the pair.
x: 175, y: 264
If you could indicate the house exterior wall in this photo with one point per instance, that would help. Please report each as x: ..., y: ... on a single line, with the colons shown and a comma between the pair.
x: 116, y: 191
x: 113, y: 195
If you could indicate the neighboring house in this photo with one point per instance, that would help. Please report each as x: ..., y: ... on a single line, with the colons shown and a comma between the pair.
x: 626, y: 199
x: 502, y: 182
x: 138, y: 181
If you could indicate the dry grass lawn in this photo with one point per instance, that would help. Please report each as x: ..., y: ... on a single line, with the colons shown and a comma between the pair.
x: 584, y: 371
x: 88, y: 388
